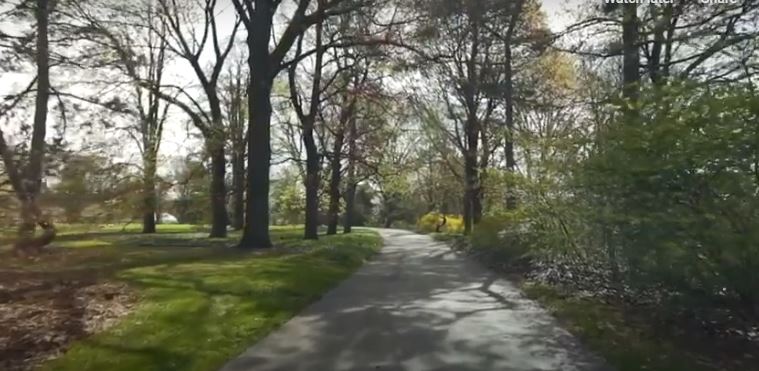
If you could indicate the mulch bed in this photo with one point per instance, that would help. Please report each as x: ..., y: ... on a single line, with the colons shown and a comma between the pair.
x: 41, y: 314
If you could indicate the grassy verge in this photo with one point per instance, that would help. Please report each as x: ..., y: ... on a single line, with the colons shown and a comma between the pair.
x: 200, y: 303
x: 627, y: 344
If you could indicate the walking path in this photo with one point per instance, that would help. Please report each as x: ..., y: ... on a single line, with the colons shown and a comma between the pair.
x: 419, y: 307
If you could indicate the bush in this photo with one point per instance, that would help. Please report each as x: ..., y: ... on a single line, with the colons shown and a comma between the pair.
x: 677, y: 193
x: 505, y: 237
x: 428, y: 223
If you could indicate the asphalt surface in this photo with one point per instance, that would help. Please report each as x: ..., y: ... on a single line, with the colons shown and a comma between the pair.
x: 419, y: 307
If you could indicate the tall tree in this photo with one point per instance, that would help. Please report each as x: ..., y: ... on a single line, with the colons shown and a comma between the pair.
x: 25, y: 171
x: 631, y: 54
x: 190, y: 44
x: 307, y: 114
x: 514, y: 14
x: 344, y: 105
x: 234, y: 96
x: 265, y: 64
x: 152, y: 116
x: 137, y: 49
x: 351, y: 178
x: 465, y: 65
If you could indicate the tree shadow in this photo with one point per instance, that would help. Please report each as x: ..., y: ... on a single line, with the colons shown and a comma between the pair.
x: 420, y: 307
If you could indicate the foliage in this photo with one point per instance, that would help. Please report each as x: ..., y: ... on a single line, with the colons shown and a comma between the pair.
x: 288, y: 199
x: 429, y: 222
x: 678, y: 191
x: 191, y: 203
x: 87, y: 183
x: 502, y: 237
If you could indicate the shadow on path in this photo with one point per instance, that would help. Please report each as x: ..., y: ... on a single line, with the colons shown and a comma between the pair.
x: 419, y: 307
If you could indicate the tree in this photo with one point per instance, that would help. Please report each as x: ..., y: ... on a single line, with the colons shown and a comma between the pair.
x: 387, y: 147
x: 257, y: 16
x: 137, y: 49
x: 288, y: 198
x: 473, y: 50
x: 265, y: 65
x: 344, y: 117
x: 185, y: 43
x: 152, y: 117
x: 233, y: 96
x: 665, y: 42
x: 351, y: 179
x: 25, y: 171
x: 464, y: 67
x: 190, y: 178
x: 307, y: 117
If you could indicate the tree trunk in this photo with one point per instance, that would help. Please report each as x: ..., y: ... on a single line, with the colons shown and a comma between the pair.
x: 312, y: 182
x: 219, y: 216
x: 32, y: 178
x: 256, y: 231
x: 471, y: 178
x: 238, y: 189
x: 350, y: 191
x: 313, y: 162
x: 27, y: 182
x: 149, y: 192
x: 511, y: 163
x: 237, y: 114
x: 350, y: 205
x: 27, y: 225
x: 34, y: 171
x: 468, y: 210
x: 631, y: 58
x: 388, y: 222
x: 477, y: 205
x: 333, y: 214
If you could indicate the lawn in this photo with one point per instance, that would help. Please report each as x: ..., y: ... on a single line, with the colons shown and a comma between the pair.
x: 199, y: 303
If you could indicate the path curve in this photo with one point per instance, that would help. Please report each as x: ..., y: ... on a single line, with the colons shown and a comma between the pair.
x: 419, y: 307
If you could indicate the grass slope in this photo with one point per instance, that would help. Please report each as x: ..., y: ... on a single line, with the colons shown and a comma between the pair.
x: 200, y: 303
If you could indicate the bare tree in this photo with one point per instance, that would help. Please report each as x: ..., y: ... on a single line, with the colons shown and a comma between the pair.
x: 190, y: 44
x: 233, y: 97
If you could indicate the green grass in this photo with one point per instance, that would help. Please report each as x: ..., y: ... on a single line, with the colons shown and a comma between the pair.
x: 626, y: 345
x: 200, y: 303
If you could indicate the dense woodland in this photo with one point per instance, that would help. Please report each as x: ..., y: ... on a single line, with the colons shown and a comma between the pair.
x: 617, y: 155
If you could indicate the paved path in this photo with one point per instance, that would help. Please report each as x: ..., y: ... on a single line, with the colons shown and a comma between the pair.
x: 419, y: 307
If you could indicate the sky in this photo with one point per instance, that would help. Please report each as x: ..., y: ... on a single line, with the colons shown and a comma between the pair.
x: 559, y: 12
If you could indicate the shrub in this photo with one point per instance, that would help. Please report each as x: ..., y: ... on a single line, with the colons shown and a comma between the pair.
x: 505, y: 237
x: 677, y: 193
x: 428, y: 223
